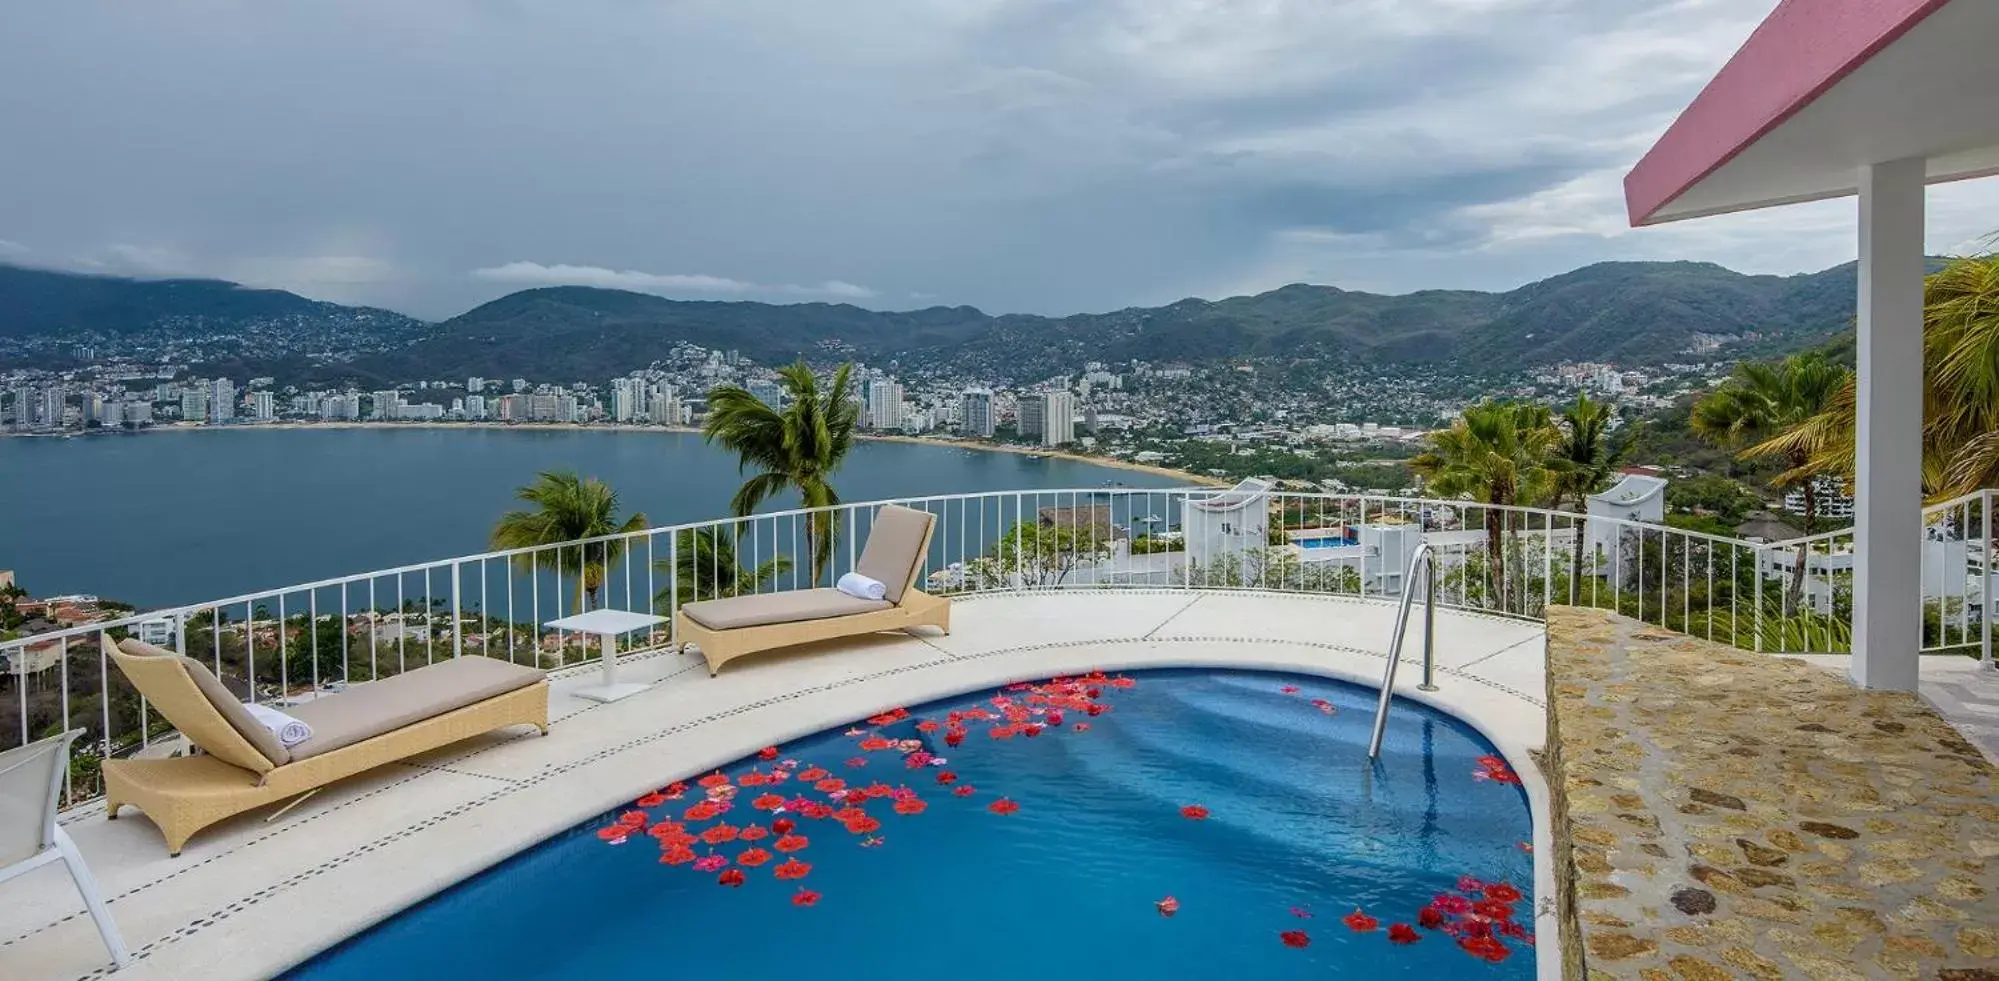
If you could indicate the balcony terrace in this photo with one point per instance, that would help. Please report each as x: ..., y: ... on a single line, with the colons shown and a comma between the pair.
x: 1295, y: 583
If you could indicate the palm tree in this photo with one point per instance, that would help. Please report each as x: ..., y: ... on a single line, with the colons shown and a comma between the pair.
x: 798, y: 447
x: 1580, y: 464
x: 1497, y: 453
x: 1960, y: 396
x: 1777, y: 412
x: 705, y: 566
x: 567, y: 508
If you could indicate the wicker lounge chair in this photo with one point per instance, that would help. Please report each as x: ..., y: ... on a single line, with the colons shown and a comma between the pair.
x: 243, y: 766
x: 726, y: 629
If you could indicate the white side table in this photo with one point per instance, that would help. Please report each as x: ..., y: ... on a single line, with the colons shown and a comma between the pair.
x: 608, y: 624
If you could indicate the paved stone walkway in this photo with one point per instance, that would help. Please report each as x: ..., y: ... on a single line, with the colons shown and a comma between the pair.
x: 1722, y: 814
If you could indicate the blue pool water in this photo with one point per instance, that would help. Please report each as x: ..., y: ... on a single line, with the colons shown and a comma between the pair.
x: 1067, y: 886
x: 1327, y: 542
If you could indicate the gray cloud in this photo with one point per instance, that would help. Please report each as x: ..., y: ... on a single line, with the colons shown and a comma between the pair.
x: 1030, y: 155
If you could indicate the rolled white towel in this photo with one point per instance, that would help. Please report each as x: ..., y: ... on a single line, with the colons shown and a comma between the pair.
x: 290, y: 731
x: 861, y: 587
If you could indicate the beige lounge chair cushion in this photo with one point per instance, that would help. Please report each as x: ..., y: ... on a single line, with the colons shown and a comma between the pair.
x: 222, y: 699
x: 369, y: 710
x: 790, y: 606
x: 894, y: 549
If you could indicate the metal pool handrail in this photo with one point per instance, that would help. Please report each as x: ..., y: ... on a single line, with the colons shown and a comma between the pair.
x: 1425, y: 560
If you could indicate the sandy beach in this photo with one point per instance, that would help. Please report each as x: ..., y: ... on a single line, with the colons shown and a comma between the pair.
x: 956, y: 443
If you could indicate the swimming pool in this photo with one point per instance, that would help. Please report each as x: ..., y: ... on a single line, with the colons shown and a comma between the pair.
x: 1326, y: 541
x: 1037, y: 830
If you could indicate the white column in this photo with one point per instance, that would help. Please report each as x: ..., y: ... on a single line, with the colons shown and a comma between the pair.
x: 1887, y: 577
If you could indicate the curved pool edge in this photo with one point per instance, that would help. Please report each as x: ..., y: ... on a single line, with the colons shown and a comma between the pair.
x: 627, y: 750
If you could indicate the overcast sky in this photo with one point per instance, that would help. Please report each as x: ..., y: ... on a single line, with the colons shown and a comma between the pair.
x: 1046, y: 156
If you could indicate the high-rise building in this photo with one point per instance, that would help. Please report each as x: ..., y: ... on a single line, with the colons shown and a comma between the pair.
x: 1033, y: 416
x: 625, y: 403
x: 385, y: 406
x: 475, y: 385
x: 23, y: 405
x: 768, y: 392
x: 222, y: 402
x: 341, y: 408
x: 194, y: 404
x: 53, y: 405
x: 475, y: 407
x: 884, y: 404
x: 136, y: 412
x: 665, y: 409
x: 263, y: 406
x: 1058, y: 417
x: 978, y: 413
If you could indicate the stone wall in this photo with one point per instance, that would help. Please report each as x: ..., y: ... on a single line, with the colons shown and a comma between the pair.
x: 1722, y: 814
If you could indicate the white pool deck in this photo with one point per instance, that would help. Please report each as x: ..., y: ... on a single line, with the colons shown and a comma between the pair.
x: 249, y: 899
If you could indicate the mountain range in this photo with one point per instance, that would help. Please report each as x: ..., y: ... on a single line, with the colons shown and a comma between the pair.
x: 1631, y: 313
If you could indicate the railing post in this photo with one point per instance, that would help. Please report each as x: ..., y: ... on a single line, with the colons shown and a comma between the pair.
x: 458, y: 620
x: 1985, y: 583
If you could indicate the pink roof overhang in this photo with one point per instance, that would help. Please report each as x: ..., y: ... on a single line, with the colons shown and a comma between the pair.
x: 1822, y: 89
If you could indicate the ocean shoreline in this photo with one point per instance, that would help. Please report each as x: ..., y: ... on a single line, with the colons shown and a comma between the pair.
x: 954, y: 443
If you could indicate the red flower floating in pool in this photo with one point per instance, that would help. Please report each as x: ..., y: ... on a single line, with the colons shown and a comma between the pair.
x: 1492, y: 909
x: 856, y: 762
x: 910, y: 805
x: 845, y: 814
x: 927, y: 725
x: 1323, y: 706
x: 1494, y: 769
x: 1003, y: 806
x: 1031, y: 730
x: 753, y: 857
x: 791, y: 843
x: 767, y: 802
x: 1451, y: 905
x: 946, y: 777
x: 677, y: 856
x: 1469, y: 885
x: 754, y: 832
x: 964, y: 790
x: 633, y: 819
x: 1082, y: 727
x: 874, y: 744
x: 713, y: 780
x: 783, y: 826
x: 862, y: 825
x: 813, y: 774
x: 653, y: 799
x: 767, y: 753
x: 615, y: 833
x: 829, y: 785
x: 1360, y: 922
x: 1167, y: 906
x: 1301, y: 912
x: 1500, y: 892
x: 1095, y: 708
x: 1295, y: 938
x: 792, y: 869
x: 1525, y: 846
x: 701, y: 812
x: 889, y: 718
x: 731, y: 878
x: 805, y: 897
x: 1403, y: 933
x: 815, y: 810
x: 1485, y: 948
x: 675, y: 789
x: 720, y: 834
x: 954, y: 738
x: 1430, y: 918
x: 1054, y: 720
x: 1289, y: 689
x: 1123, y: 683
x: 709, y: 863
x: 1194, y: 812
x: 755, y: 779
x: 1002, y: 732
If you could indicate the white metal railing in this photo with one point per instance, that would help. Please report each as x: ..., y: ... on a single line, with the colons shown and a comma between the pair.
x: 1424, y: 562
x: 294, y: 642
